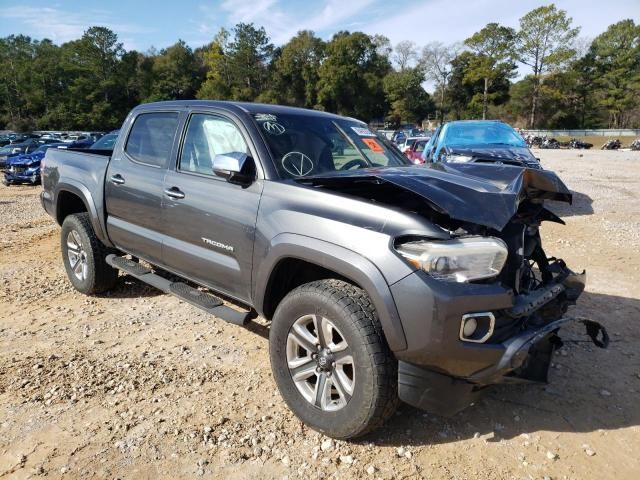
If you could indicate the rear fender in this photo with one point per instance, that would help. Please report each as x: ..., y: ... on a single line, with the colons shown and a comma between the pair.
x: 96, y: 211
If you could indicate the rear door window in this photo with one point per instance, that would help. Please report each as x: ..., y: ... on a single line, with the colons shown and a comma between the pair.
x: 151, y: 138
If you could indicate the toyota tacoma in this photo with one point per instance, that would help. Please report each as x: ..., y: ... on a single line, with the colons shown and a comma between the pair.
x: 381, y: 280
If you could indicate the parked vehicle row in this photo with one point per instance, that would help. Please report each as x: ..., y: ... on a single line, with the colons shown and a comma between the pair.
x: 21, y: 161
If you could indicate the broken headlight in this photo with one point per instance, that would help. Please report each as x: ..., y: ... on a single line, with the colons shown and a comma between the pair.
x: 459, y: 260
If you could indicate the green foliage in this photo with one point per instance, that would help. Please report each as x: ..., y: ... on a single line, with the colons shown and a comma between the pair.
x: 296, y: 71
x: 176, y: 72
x: 92, y: 82
x: 616, y: 60
x: 544, y: 43
x: 408, y: 100
x: 350, y: 79
x: 494, y: 49
x: 467, y: 91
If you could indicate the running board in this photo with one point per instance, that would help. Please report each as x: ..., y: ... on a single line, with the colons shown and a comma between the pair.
x: 203, y: 300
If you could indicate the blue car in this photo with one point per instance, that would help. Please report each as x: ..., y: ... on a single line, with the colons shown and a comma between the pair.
x: 106, y: 142
x: 489, y: 142
x: 25, y: 168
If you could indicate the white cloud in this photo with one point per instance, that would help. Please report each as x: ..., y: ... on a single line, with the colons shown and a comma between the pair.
x: 283, y: 21
x: 62, y: 26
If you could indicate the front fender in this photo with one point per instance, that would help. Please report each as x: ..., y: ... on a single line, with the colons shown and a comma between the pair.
x: 344, y: 262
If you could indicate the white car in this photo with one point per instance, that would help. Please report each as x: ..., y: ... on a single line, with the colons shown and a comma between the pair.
x: 408, y: 143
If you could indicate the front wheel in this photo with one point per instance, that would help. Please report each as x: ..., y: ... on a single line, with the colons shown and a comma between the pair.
x: 84, y: 256
x: 330, y: 360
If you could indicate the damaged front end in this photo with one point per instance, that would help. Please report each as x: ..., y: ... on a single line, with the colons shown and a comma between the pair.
x: 465, y: 333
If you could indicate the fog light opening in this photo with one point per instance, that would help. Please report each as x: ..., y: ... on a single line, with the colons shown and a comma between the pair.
x: 469, y: 327
x: 477, y: 327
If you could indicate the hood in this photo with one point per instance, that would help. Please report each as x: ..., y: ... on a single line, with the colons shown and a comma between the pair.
x: 487, y: 195
x: 23, y: 158
x: 493, y: 152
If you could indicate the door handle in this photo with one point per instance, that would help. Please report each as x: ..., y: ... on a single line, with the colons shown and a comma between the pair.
x: 117, y: 179
x: 174, y: 192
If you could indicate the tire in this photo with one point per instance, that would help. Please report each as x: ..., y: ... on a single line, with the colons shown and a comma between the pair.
x: 90, y: 273
x: 362, y: 378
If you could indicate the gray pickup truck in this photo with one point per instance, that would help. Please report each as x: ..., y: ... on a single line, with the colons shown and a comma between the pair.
x: 381, y: 280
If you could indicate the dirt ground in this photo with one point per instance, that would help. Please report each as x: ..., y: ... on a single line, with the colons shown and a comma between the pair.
x: 136, y: 384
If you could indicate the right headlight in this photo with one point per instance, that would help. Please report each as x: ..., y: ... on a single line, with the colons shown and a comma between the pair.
x: 458, y: 260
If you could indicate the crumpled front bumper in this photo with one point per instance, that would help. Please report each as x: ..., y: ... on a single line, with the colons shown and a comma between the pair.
x: 24, y: 174
x: 442, y: 374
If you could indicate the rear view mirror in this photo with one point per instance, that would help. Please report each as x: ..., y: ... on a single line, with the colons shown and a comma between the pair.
x: 234, y: 167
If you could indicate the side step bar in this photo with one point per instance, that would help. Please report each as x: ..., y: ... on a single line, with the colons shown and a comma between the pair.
x: 203, y: 300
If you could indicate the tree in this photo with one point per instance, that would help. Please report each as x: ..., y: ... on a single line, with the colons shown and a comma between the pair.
x: 467, y: 94
x: 296, y: 70
x: 177, y: 73
x: 616, y: 56
x: 350, y: 78
x: 436, y: 61
x: 493, y: 47
x: 218, y: 83
x: 544, y: 43
x: 249, y: 55
x: 408, y: 100
x: 404, y: 54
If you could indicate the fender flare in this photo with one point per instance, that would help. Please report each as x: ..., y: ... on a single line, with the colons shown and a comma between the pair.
x: 81, y: 191
x: 344, y: 262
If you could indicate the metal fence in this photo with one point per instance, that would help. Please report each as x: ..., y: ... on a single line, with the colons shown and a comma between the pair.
x: 607, y: 133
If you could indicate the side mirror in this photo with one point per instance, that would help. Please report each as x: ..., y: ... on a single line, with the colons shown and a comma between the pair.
x: 234, y: 167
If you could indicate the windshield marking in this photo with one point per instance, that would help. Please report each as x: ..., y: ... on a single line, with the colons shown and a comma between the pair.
x: 273, y: 128
x: 297, y: 164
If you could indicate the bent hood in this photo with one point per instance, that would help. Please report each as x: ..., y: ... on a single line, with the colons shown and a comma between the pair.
x: 23, y: 158
x: 493, y: 152
x: 486, y: 195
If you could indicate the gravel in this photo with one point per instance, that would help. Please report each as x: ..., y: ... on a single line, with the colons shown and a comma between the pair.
x: 134, y: 383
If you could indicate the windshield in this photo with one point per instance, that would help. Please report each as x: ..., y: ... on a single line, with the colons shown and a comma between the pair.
x: 492, y: 133
x: 307, y: 145
x: 43, y: 148
x: 420, y: 145
x: 106, y: 143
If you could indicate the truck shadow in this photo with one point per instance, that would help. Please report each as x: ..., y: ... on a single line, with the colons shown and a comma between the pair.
x: 590, y: 389
x: 582, y: 205
x: 130, y: 287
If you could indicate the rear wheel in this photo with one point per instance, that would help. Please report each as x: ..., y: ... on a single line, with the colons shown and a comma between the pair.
x: 330, y: 359
x: 84, y: 256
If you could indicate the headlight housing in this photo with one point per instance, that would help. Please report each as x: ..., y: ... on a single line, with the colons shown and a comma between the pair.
x: 459, y: 260
x: 458, y: 158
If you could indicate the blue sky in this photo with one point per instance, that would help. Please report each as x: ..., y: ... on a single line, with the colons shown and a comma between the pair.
x: 142, y: 24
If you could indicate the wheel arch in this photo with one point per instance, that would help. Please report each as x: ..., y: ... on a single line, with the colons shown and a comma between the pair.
x: 279, y: 272
x: 73, y: 197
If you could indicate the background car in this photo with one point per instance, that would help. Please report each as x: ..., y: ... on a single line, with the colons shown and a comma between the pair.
x: 479, y: 141
x: 408, y: 143
x: 106, y: 142
x: 414, y: 153
x: 25, y: 168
